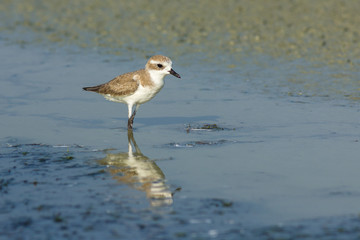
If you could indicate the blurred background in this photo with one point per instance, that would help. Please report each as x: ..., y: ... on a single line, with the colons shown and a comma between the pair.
x: 322, y: 37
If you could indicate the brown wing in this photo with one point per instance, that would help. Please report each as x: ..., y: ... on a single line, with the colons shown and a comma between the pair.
x: 122, y: 85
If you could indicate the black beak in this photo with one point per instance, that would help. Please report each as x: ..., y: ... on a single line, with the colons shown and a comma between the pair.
x: 172, y: 72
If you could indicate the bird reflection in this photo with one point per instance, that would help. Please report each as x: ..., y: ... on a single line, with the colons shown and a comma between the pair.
x: 139, y: 172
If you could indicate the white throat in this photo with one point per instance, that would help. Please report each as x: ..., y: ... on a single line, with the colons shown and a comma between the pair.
x: 157, y: 77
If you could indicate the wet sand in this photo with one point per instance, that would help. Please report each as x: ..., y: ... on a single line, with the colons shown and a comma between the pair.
x: 320, y: 30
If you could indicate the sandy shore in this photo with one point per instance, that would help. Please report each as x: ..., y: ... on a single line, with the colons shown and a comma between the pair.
x: 325, y: 31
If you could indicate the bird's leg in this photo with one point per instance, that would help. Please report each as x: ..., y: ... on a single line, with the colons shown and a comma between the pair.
x: 131, y: 120
x: 132, y: 115
x: 130, y: 124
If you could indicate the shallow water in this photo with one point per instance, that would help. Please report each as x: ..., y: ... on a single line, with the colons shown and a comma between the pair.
x: 260, y: 145
x: 275, y: 166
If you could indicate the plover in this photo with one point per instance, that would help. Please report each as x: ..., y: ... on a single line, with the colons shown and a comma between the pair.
x: 136, y: 88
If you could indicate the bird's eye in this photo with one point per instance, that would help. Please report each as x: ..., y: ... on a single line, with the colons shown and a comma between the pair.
x: 160, y: 65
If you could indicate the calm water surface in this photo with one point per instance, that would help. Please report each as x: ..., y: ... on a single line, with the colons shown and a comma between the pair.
x: 276, y: 166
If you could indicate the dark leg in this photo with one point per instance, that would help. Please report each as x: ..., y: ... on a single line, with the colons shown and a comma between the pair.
x: 131, y: 120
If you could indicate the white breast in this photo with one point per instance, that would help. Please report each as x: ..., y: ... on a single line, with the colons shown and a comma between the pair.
x: 143, y: 94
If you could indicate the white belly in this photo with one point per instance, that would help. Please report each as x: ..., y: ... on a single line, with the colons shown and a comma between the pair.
x: 141, y: 95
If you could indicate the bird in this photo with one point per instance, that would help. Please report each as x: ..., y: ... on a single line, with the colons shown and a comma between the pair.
x: 138, y: 87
